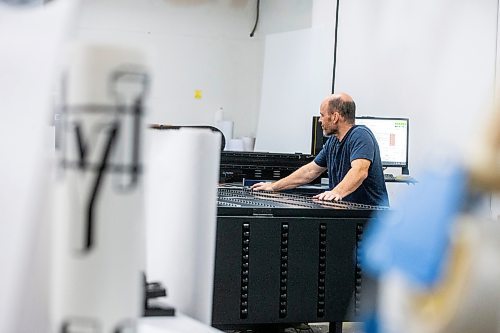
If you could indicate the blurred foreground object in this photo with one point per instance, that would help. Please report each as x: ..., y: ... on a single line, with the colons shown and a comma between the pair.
x: 464, y: 300
x: 30, y: 44
x: 99, y: 246
x: 414, y: 237
x: 22, y: 3
x: 436, y: 260
x: 484, y: 162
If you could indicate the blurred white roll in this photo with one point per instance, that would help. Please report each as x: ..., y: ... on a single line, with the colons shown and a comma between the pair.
x: 248, y: 143
x: 226, y: 127
x: 99, y: 210
x: 181, y: 216
x: 235, y: 145
x: 31, y: 41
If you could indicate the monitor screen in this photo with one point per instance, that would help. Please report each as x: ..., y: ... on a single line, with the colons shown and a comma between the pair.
x: 392, y: 138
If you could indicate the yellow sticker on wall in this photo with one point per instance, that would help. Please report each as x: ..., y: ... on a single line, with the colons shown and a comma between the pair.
x: 198, y: 94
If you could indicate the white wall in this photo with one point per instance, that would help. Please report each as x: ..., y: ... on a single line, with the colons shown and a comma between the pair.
x: 285, y: 93
x: 198, y: 45
x: 195, y: 45
x: 297, y: 76
x: 432, y: 61
x: 284, y: 15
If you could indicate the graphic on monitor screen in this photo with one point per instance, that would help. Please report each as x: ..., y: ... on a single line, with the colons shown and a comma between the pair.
x: 392, y: 138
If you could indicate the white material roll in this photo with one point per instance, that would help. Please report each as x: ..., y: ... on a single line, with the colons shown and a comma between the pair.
x: 248, y: 143
x: 235, y: 145
x: 226, y: 127
x: 181, y: 216
x: 98, y: 230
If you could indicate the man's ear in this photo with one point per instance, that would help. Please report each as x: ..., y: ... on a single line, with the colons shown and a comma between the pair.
x: 336, y: 116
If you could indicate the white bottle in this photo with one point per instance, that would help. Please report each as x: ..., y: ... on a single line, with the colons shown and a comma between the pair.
x: 225, y: 126
x: 219, y: 116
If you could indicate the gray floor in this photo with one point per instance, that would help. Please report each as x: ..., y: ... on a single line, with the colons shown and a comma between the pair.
x: 346, y: 327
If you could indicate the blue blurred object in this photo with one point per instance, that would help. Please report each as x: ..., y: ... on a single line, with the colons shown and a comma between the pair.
x: 413, y: 238
x: 371, y: 324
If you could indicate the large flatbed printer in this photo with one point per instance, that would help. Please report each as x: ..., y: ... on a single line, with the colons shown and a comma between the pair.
x: 283, y: 258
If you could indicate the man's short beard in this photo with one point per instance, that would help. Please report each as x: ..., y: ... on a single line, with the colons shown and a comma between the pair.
x: 332, y: 132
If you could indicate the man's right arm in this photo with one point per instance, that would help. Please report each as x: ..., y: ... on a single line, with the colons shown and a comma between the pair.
x: 301, y: 176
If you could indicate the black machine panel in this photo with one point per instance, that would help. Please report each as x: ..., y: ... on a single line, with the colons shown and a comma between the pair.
x: 234, y: 166
x: 285, y: 258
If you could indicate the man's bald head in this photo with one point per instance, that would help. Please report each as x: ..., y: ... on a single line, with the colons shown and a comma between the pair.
x: 343, y: 104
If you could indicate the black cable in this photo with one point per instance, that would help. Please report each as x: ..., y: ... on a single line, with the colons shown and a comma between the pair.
x: 256, y: 19
x: 335, y: 46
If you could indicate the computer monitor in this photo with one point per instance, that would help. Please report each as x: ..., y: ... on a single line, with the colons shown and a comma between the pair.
x: 392, y: 136
x: 317, y: 138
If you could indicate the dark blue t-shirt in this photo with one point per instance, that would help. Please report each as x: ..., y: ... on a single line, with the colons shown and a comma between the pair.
x: 337, y: 156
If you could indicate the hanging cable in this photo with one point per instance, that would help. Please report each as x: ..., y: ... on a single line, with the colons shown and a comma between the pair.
x: 335, y: 46
x: 256, y: 19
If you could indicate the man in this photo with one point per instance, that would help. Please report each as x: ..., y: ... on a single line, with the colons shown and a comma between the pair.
x: 351, y: 155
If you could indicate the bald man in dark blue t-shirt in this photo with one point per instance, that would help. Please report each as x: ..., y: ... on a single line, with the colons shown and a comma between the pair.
x: 351, y: 155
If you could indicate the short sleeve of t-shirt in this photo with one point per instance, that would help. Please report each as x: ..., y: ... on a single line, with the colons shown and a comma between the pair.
x: 320, y: 159
x: 362, y: 145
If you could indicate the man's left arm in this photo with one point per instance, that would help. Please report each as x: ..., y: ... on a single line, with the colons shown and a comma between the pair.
x: 352, y: 180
